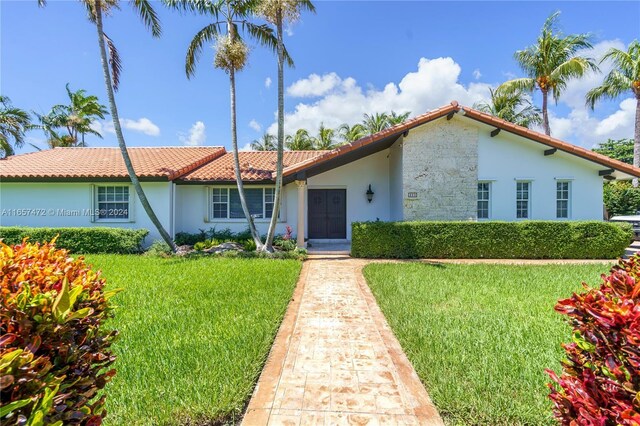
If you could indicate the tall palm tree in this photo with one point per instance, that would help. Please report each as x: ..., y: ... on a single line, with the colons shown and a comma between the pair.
x: 351, y: 133
x: 76, y: 118
x: 550, y: 64
x: 624, y: 77
x: 512, y: 106
x: 277, y: 12
x: 299, y: 141
x: 231, y: 53
x: 266, y: 143
x: 325, y: 139
x: 14, y: 123
x: 374, y: 123
x: 111, y: 70
x: 394, y: 118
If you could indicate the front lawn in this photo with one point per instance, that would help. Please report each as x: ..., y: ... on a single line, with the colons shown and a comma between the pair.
x: 194, y: 334
x: 480, y: 336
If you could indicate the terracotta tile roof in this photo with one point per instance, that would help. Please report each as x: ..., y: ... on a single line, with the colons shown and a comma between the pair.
x: 454, y: 107
x: 72, y: 163
x: 254, y: 166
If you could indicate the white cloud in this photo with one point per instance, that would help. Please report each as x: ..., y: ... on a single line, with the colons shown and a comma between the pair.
x: 141, y: 125
x: 621, y: 123
x: 196, y: 136
x: 289, y: 30
x: 314, y: 85
x: 267, y: 82
x: 477, y: 74
x: 255, y: 126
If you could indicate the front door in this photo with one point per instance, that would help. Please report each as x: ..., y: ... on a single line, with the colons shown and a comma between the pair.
x: 327, y: 213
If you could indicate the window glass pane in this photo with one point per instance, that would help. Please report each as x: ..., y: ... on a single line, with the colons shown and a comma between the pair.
x: 113, y: 202
x: 483, y: 200
x: 522, y: 200
x: 219, y: 197
x: 562, y: 200
x: 254, y: 202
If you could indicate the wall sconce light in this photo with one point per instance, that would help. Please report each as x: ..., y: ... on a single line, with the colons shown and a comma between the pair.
x: 370, y: 194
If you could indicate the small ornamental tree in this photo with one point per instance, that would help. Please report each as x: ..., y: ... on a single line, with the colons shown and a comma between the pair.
x: 600, y: 380
x: 54, y: 350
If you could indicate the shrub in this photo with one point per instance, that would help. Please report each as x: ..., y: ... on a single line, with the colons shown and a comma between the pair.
x: 186, y: 238
x: 621, y: 198
x: 80, y: 240
x: 158, y: 248
x: 600, y: 379
x: 499, y: 240
x: 54, y: 351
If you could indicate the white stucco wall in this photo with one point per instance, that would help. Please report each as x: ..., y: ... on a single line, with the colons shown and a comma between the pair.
x: 67, y: 205
x: 192, y: 210
x: 507, y: 157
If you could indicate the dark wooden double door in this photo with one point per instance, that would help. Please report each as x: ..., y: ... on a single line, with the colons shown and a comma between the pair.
x: 327, y: 212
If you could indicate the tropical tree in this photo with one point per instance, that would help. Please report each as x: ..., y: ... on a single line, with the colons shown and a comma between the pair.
x: 111, y: 70
x: 351, y: 133
x: 623, y: 78
x: 266, y: 143
x: 76, y: 118
x: 621, y: 149
x: 231, y: 54
x: 394, y: 118
x: 550, y: 63
x: 513, y: 106
x: 277, y: 12
x: 325, y: 139
x: 374, y: 123
x: 14, y: 123
x: 299, y: 141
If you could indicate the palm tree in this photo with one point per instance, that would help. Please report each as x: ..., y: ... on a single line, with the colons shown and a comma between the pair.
x: 277, y: 12
x: 550, y: 64
x: 394, y: 118
x: 351, y: 133
x: 111, y: 70
x: 374, y: 123
x: 231, y: 53
x: 266, y: 143
x: 14, y: 122
x: 624, y: 77
x: 299, y: 141
x: 76, y: 118
x: 514, y: 107
x: 325, y: 139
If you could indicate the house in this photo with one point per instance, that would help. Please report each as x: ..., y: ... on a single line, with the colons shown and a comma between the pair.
x: 452, y: 163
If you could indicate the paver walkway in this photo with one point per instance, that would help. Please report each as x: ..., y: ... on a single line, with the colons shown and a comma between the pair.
x: 335, y: 360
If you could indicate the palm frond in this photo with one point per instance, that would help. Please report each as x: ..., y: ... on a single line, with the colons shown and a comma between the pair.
x: 148, y: 16
x: 614, y: 85
x: 525, y: 84
x: 205, y: 35
x: 114, y: 62
x: 265, y: 37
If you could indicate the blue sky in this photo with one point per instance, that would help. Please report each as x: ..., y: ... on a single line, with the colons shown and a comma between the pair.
x: 351, y: 58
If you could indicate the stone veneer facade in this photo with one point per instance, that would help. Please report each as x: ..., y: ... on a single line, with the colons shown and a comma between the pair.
x: 440, y: 172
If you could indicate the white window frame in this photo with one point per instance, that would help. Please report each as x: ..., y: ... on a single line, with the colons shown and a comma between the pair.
x: 529, y: 198
x: 95, y: 204
x: 228, y: 218
x: 568, y: 199
x: 488, y: 200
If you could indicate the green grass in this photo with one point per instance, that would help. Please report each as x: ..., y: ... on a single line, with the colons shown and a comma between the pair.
x: 194, y: 334
x: 480, y: 336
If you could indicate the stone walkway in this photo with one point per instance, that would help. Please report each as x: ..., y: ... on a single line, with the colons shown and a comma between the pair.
x: 335, y: 360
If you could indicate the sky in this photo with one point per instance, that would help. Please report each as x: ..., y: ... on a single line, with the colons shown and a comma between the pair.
x: 351, y: 58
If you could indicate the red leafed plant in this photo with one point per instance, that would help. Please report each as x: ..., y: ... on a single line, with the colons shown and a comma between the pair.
x: 54, y: 350
x: 600, y: 380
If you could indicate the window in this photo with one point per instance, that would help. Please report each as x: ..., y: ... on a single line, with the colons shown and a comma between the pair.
x: 523, y: 198
x: 484, y: 191
x: 562, y: 199
x: 112, y: 203
x: 226, y: 203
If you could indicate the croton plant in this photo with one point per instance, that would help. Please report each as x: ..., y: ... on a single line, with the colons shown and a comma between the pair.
x: 600, y: 380
x: 55, y: 352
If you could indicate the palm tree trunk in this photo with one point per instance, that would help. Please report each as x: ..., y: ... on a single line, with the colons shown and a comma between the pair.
x: 636, y: 139
x: 116, y: 124
x: 236, y: 159
x: 279, y: 166
x: 545, y: 113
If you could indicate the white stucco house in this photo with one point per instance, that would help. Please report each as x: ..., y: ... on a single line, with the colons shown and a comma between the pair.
x: 452, y: 163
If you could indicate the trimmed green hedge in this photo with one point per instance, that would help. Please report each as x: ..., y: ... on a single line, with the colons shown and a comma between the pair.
x: 80, y: 240
x: 491, y: 240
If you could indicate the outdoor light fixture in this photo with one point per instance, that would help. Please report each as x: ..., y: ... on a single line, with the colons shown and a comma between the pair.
x: 369, y: 194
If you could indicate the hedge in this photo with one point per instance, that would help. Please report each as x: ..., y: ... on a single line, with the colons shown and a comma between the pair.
x: 492, y: 240
x: 80, y: 240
